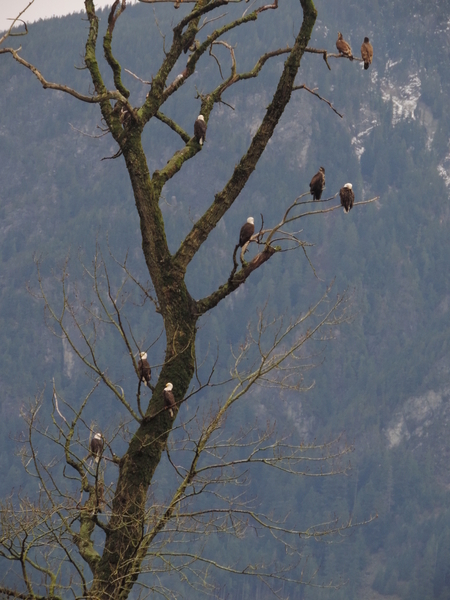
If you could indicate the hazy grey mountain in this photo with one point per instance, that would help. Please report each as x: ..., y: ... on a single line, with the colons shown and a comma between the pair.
x: 385, y: 377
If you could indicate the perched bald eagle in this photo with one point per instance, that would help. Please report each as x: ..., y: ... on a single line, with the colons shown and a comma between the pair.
x: 169, y: 399
x: 347, y: 197
x: 96, y: 447
x: 343, y: 47
x: 366, y: 53
x: 200, y: 129
x: 247, y: 230
x: 144, y: 369
x: 317, y: 184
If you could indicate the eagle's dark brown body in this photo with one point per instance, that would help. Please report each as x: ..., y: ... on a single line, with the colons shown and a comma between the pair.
x: 317, y: 184
x: 144, y: 369
x: 367, y: 52
x: 347, y: 197
x: 200, y: 130
x: 169, y: 399
x: 96, y: 447
x: 343, y: 47
x: 247, y: 230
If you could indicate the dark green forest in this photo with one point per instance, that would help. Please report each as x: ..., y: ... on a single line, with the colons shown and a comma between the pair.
x: 382, y: 380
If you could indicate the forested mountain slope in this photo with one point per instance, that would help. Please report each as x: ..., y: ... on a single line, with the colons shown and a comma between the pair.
x: 385, y: 377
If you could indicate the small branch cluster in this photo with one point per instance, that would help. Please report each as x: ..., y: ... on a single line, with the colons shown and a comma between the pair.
x: 79, y: 322
x: 272, y: 240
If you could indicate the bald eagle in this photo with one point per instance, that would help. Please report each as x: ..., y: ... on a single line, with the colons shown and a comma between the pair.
x: 144, y: 369
x: 317, y: 184
x: 96, y: 447
x: 343, y: 47
x: 347, y: 197
x: 200, y: 129
x: 366, y: 53
x: 169, y: 399
x: 247, y: 230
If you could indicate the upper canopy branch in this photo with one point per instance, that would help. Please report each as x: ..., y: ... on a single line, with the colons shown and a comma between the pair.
x: 90, y: 58
x: 181, y: 156
x: 107, y: 46
x: 235, y: 77
x: 248, y: 162
x: 105, y: 96
x: 14, y: 21
x: 159, y: 93
x: 204, y: 7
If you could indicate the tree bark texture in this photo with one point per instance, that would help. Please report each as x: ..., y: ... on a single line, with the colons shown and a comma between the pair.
x: 118, y: 568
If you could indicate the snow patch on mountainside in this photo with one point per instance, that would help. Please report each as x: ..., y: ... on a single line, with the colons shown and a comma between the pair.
x: 417, y: 415
x: 404, y: 98
x: 357, y: 140
x: 366, y: 123
x: 444, y: 170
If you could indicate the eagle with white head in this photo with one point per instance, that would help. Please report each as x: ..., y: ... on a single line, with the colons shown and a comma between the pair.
x: 144, y: 369
x: 96, y: 447
x: 347, y: 197
x: 200, y: 129
x: 169, y: 399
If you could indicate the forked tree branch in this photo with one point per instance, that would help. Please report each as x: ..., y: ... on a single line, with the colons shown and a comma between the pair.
x: 14, y: 21
x: 225, y: 199
x: 107, y: 46
x: 271, y: 244
x: 107, y: 95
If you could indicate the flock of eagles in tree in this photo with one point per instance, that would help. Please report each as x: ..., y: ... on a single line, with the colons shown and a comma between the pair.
x: 316, y: 188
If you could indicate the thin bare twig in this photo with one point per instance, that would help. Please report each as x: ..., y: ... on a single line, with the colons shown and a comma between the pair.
x: 207, y: 21
x: 8, y: 33
x: 90, y: 135
x: 137, y: 77
x: 314, y: 93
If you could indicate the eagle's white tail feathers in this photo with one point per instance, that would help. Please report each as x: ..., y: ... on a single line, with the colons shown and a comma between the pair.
x: 144, y: 382
x: 201, y: 142
x: 171, y: 413
x: 97, y: 458
x: 346, y: 210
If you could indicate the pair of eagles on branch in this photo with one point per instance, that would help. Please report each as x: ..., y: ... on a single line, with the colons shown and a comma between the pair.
x: 346, y: 193
x: 145, y: 374
x: 345, y: 49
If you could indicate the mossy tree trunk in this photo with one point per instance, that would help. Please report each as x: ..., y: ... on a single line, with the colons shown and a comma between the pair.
x: 116, y: 570
x: 119, y: 566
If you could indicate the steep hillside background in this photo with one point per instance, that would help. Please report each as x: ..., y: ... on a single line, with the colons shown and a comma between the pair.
x: 385, y: 378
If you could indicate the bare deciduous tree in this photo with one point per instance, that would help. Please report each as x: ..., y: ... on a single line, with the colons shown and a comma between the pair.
x: 93, y: 538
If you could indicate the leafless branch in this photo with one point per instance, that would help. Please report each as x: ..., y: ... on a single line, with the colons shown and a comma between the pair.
x: 326, y: 55
x: 314, y: 92
x: 8, y: 33
x: 90, y: 135
x: 63, y: 88
x: 138, y: 78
